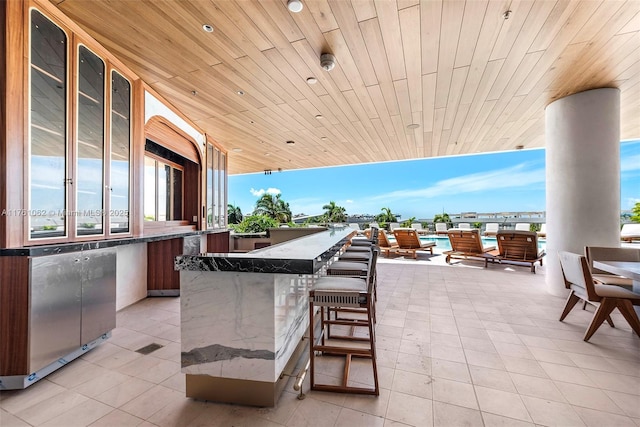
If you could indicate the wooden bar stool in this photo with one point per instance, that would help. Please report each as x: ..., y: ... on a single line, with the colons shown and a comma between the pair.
x: 331, y: 292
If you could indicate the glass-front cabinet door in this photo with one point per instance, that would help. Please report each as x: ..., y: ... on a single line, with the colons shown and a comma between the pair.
x: 78, y: 172
x: 216, y: 187
x: 48, y: 171
x: 90, y: 121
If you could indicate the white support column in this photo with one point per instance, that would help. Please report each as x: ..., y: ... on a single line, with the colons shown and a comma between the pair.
x: 583, y: 176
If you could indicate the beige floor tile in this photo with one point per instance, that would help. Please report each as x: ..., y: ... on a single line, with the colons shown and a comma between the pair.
x: 449, y: 340
x: 614, y: 382
x: 411, y: 410
x: 478, y: 344
x: 52, y: 407
x: 415, y: 347
x: 413, y: 384
x: 549, y: 413
x: 551, y: 356
x: 567, y: 374
x: 117, y: 418
x: 629, y: 403
x: 414, y: 363
x: 9, y: 420
x: 101, y: 383
x: 15, y: 401
x: 176, y: 382
x: 492, y: 378
x: 588, y: 397
x: 445, y: 415
x: 387, y: 358
x: 124, y: 392
x: 593, y: 418
x: 493, y: 420
x: 350, y: 418
x: 487, y: 360
x: 446, y: 369
x: 454, y: 393
x: 443, y: 352
x: 151, y: 401
x: 76, y: 373
x: 387, y: 343
x: 542, y: 388
x: 118, y: 359
x: 524, y: 366
x: 80, y: 415
x: 420, y: 335
x: 314, y: 412
x: 392, y: 321
x: 502, y: 403
x: 179, y: 413
x: 374, y: 405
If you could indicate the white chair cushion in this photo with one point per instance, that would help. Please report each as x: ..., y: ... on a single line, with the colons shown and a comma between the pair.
x: 612, y: 291
x: 330, y: 283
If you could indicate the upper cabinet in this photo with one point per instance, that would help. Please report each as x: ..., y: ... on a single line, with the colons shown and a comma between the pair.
x: 79, y: 133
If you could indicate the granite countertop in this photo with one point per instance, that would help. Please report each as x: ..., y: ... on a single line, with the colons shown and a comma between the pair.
x: 304, y: 255
x: 61, y: 248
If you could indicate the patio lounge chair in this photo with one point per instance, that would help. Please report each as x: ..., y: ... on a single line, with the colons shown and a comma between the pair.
x: 467, y: 244
x: 630, y: 232
x: 518, y: 247
x: 523, y: 226
x: 464, y: 226
x: 409, y: 242
x: 393, y: 225
x: 418, y: 227
x: 441, y: 228
x: 491, y: 229
x: 383, y: 243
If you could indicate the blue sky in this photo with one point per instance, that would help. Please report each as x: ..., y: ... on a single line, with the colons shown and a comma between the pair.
x: 497, y: 182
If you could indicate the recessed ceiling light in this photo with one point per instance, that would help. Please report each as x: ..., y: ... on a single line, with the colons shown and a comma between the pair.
x: 194, y: 92
x: 506, y: 14
x: 251, y: 121
x: 294, y: 6
x: 519, y: 147
x: 267, y: 154
x: 413, y: 126
x: 290, y: 142
x: 324, y: 138
x: 312, y: 80
x: 237, y: 150
x: 319, y: 116
x: 240, y: 92
x: 208, y: 28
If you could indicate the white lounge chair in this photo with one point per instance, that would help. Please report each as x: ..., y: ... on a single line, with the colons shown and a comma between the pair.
x: 630, y: 232
x: 418, y: 227
x: 441, y: 228
x: 393, y: 225
x: 464, y: 226
x: 491, y: 229
x: 523, y: 226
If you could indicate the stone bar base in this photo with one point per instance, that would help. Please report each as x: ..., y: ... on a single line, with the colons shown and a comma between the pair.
x: 244, y: 392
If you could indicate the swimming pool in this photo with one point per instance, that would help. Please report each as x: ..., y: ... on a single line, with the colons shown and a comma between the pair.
x: 442, y: 242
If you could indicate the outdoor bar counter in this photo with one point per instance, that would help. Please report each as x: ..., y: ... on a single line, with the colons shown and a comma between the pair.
x: 244, y: 316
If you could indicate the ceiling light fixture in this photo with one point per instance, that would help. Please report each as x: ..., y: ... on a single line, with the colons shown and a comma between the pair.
x: 208, y: 28
x: 237, y: 150
x: 291, y: 142
x: 327, y: 61
x: 312, y: 80
x: 194, y: 92
x: 413, y: 126
x: 240, y: 92
x: 507, y: 14
x: 324, y: 138
x: 295, y: 6
x: 319, y: 116
x: 519, y: 147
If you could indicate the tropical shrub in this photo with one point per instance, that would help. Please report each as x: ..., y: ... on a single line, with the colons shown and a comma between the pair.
x: 274, y: 207
x: 444, y: 217
x: 334, y: 213
x: 408, y: 222
x: 254, y: 224
x: 636, y: 213
x: 386, y: 216
x: 234, y: 214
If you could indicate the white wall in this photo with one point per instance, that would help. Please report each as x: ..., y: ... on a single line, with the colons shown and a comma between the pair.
x: 131, y: 274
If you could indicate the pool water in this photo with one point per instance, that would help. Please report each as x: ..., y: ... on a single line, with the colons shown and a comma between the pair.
x: 442, y: 242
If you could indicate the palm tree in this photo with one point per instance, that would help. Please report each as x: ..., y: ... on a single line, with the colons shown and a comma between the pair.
x: 273, y: 207
x: 335, y: 213
x: 444, y: 217
x: 386, y: 216
x: 408, y: 222
x: 234, y: 214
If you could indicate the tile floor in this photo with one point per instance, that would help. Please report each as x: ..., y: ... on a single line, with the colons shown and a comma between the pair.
x: 458, y: 346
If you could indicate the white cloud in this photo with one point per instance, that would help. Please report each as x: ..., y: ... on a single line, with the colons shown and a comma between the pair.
x: 262, y: 191
x: 512, y: 177
x: 348, y: 201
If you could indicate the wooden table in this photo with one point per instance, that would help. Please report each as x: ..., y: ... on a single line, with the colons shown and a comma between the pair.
x: 629, y: 269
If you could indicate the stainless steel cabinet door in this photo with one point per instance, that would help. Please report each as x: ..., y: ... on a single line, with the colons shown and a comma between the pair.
x: 98, y: 293
x: 56, y: 307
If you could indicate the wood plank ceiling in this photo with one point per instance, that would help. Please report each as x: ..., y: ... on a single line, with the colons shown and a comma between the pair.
x: 470, y: 79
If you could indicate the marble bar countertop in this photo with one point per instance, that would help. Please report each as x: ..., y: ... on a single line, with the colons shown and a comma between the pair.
x: 304, y: 255
x: 62, y: 248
